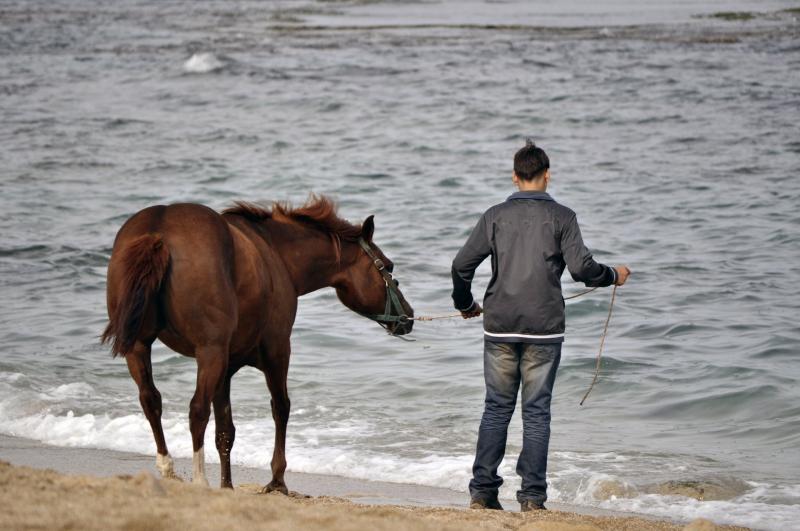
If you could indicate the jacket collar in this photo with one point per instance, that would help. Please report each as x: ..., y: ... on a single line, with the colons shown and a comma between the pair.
x: 542, y: 196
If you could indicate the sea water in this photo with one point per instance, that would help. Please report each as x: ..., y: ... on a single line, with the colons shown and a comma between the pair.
x: 673, y: 133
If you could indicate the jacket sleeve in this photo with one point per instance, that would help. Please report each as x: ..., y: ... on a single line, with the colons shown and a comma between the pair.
x: 580, y: 263
x: 477, y: 248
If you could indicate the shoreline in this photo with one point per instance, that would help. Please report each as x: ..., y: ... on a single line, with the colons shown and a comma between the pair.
x: 108, y: 465
x: 104, y: 463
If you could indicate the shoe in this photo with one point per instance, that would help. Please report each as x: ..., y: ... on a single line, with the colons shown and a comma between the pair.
x: 530, y: 505
x: 484, y: 503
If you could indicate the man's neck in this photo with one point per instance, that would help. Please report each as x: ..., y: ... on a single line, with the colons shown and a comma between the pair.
x: 532, y: 187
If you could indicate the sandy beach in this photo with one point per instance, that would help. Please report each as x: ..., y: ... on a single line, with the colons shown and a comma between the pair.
x: 45, y: 487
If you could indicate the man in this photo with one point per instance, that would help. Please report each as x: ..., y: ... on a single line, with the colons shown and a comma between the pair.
x: 531, y: 238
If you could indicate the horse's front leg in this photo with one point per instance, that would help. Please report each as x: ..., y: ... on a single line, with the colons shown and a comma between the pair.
x: 277, y: 370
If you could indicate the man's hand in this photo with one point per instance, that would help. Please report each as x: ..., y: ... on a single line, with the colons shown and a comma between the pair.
x: 622, y: 274
x: 474, y: 311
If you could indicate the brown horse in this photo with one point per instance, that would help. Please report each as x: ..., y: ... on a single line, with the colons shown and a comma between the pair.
x: 223, y: 288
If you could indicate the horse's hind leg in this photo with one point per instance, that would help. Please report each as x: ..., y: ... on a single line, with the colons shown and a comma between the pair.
x: 226, y: 432
x: 277, y: 370
x: 141, y: 370
x: 212, y: 367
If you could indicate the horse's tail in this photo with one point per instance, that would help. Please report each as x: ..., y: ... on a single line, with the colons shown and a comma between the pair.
x: 144, y: 261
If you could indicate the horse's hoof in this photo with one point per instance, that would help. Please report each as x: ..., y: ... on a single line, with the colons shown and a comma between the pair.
x: 172, y: 475
x: 166, y: 467
x: 275, y: 487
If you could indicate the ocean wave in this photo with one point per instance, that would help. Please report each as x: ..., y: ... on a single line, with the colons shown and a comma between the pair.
x: 735, y: 512
x: 756, y: 505
x: 12, y: 377
x: 202, y: 63
x: 67, y: 391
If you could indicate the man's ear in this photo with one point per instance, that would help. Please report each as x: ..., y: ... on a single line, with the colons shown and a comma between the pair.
x: 368, y: 228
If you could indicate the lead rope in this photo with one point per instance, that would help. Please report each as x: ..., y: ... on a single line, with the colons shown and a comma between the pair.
x: 602, y: 342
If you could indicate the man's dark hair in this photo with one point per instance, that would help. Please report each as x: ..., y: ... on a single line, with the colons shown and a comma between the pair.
x: 530, y: 162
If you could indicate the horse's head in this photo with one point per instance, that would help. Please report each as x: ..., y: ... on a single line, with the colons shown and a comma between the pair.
x: 367, y: 287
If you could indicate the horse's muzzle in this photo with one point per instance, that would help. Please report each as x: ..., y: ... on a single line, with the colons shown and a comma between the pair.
x: 402, y: 326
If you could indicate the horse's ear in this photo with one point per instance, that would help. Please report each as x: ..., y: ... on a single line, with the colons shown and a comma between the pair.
x: 368, y: 228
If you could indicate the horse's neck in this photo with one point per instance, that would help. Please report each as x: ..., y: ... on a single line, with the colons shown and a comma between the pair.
x: 309, y: 255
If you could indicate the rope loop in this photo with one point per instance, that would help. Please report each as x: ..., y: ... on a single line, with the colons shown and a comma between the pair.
x: 602, y: 342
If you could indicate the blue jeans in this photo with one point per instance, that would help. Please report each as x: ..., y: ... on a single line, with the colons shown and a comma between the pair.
x: 505, y: 367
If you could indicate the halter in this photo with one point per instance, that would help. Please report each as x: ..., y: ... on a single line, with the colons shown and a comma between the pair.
x: 393, y: 303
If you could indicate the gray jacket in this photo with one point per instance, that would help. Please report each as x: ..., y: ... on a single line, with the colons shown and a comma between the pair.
x: 531, y: 238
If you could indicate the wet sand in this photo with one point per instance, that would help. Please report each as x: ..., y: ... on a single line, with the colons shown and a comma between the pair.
x: 98, y: 489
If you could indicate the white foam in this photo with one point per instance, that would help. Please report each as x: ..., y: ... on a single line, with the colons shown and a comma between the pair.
x: 67, y: 391
x: 202, y: 63
x: 451, y: 472
x: 578, y: 484
x: 736, y: 512
x: 11, y: 377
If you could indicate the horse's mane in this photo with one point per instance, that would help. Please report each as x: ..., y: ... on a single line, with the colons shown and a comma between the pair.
x: 319, y: 211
